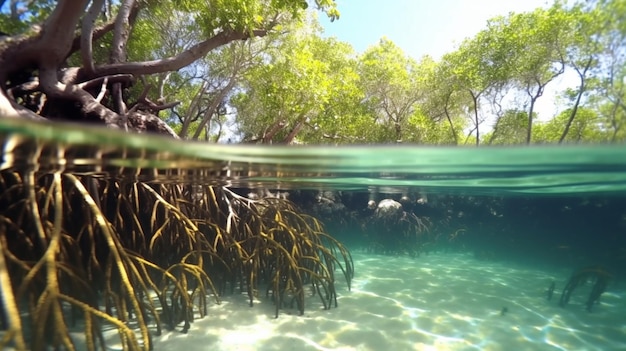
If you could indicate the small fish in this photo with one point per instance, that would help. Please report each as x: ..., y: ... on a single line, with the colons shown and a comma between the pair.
x: 550, y: 291
x: 504, y: 311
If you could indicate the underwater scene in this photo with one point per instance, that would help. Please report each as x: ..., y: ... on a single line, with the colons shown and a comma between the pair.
x: 111, y: 241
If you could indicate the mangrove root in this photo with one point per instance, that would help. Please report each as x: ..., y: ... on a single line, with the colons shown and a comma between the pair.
x: 128, y: 253
x: 595, y: 274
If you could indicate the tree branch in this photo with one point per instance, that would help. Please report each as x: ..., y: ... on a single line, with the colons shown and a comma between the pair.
x: 117, y: 78
x: 10, y: 109
x: 86, y: 48
x: 214, y: 105
x: 193, y: 106
x: 103, y: 89
x: 143, y: 100
x: 98, y: 32
x: 179, y: 61
x: 118, y: 51
x: 121, y: 32
x: 271, y: 131
x: 58, y: 32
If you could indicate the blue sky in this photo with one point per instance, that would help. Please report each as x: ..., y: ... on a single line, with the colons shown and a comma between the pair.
x: 419, y: 27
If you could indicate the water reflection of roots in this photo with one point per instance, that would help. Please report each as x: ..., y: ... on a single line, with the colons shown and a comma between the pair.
x: 79, y: 248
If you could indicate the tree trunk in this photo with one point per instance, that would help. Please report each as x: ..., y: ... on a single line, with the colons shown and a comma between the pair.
x: 294, y: 131
x: 212, y: 109
x: 531, y: 109
x: 475, y: 98
x: 581, y: 90
x: 268, y: 136
x: 495, y: 130
x: 529, y: 129
x: 447, y: 113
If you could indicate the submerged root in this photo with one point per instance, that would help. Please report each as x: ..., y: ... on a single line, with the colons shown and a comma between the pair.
x: 595, y: 274
x: 391, y: 230
x: 106, y: 252
x: 269, y: 243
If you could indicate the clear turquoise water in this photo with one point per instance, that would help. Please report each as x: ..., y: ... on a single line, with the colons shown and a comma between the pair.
x: 538, y: 170
x: 443, y: 301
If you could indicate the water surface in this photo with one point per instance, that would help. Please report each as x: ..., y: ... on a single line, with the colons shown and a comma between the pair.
x: 502, y: 224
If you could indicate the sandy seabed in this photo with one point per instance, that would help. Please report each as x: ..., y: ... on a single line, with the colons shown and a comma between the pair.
x: 443, y: 301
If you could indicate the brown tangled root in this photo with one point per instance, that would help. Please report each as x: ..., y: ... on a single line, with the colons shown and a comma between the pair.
x: 121, y: 254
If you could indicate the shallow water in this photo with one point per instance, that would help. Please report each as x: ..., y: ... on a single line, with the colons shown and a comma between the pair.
x: 505, y: 223
x: 439, y: 302
x: 547, y: 170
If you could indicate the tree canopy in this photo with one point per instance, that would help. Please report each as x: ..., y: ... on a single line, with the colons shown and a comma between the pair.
x: 263, y: 71
x: 79, y: 80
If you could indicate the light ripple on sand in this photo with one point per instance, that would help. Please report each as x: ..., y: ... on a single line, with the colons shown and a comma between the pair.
x: 435, y: 302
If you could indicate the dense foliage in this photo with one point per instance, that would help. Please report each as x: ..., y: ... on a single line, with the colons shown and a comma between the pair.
x: 481, y: 93
x: 286, y: 82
